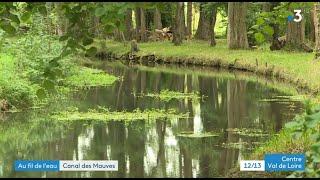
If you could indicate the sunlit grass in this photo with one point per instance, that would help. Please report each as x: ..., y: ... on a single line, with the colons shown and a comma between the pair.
x: 299, y: 66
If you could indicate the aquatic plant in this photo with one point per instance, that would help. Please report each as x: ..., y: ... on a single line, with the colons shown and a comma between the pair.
x: 190, y: 134
x: 87, y: 77
x: 167, y: 95
x: 248, y: 132
x: 104, y: 114
x: 237, y: 145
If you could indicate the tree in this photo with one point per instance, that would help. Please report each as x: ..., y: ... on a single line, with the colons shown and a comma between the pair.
x: 275, y: 44
x: 183, y: 22
x: 157, y: 19
x: 237, y: 30
x: 177, y: 32
x: 203, y: 31
x: 316, y: 21
x: 312, y: 29
x: 143, y: 33
x: 212, y: 25
x: 138, y: 22
x: 128, y: 24
x: 189, y: 20
x: 295, y: 33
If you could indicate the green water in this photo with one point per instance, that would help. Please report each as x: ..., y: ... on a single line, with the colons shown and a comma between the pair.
x: 162, y: 148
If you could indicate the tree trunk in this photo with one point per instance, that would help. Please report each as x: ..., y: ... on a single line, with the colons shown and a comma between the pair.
x: 128, y: 23
x: 203, y: 31
x: 177, y: 33
x: 138, y: 23
x: 149, y: 18
x: 316, y: 21
x: 212, y: 25
x: 312, y: 33
x: 295, y: 34
x: 275, y: 44
x: 237, y: 30
x: 189, y: 19
x: 143, y: 34
x: 183, y: 22
x: 157, y: 19
x: 117, y: 35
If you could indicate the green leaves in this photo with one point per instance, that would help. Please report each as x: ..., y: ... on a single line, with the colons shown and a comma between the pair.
x: 268, y: 30
x: 260, y: 21
x: 25, y: 16
x: 292, y: 124
x: 63, y: 38
x: 100, y: 11
x: 87, y: 41
x: 14, y: 18
x: 72, y: 43
x: 8, y: 28
x: 312, y: 121
x: 42, y: 10
x: 259, y: 37
x: 306, y: 128
x: 91, y: 51
x: 41, y: 93
x: 48, y: 85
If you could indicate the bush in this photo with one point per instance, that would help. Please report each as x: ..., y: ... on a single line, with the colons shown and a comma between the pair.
x: 16, y: 90
x: 19, y: 94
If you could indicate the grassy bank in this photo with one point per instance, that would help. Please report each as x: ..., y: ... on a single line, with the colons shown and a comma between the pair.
x: 294, y: 67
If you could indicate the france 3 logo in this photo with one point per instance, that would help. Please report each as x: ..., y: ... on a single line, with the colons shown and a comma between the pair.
x: 297, y: 16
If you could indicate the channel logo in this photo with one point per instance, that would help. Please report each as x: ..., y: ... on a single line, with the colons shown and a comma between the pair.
x: 297, y: 17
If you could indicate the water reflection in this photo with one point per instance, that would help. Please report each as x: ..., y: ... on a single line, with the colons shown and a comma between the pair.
x: 151, y: 149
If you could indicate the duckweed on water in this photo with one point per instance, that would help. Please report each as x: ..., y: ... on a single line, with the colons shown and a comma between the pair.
x: 248, y: 132
x: 106, y: 115
x: 200, y: 135
x: 237, y: 145
x: 87, y: 77
x: 284, y: 99
x: 167, y: 95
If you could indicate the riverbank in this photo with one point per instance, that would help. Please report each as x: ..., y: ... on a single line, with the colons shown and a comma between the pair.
x: 295, y: 68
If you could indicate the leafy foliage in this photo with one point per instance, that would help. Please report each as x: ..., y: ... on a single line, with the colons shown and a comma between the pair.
x: 262, y: 27
x: 308, y: 125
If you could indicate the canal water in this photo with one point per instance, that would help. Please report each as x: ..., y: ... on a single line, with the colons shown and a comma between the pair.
x: 241, y: 111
